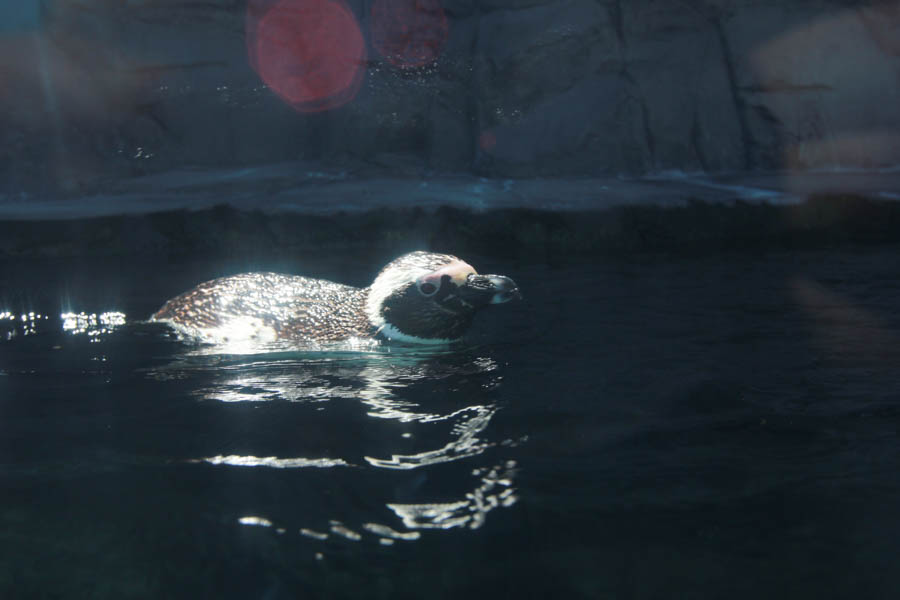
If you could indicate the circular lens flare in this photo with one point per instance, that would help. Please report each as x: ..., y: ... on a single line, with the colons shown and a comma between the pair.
x: 408, y: 33
x: 311, y: 53
x: 487, y: 140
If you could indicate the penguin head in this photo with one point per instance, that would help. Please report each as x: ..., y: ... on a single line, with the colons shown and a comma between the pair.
x: 425, y: 297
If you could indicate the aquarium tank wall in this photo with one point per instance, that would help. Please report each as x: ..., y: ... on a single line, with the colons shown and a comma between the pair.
x: 98, y: 89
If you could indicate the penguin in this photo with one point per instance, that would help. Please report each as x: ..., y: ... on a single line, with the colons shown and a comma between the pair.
x: 418, y: 298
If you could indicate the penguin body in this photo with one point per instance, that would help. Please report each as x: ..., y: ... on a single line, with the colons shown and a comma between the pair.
x: 421, y: 297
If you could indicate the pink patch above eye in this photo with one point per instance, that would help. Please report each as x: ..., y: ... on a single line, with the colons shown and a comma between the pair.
x: 457, y: 271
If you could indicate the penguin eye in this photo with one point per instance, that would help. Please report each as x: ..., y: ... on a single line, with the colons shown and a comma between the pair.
x: 427, y: 289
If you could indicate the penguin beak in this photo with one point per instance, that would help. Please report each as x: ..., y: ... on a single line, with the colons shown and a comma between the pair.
x: 489, y: 289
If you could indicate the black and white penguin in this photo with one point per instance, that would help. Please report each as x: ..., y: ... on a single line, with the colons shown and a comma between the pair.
x: 421, y: 297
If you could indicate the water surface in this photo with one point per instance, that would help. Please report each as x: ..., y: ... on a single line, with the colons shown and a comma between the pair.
x: 636, y: 428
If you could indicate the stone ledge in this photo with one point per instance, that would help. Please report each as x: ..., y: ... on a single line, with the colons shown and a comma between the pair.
x: 691, y: 227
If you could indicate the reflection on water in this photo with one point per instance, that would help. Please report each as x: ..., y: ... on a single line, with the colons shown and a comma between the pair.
x: 495, y: 490
x: 316, y: 535
x: 93, y: 325
x: 405, y: 398
x: 386, y: 532
x: 255, y: 521
x: 407, y: 429
x: 23, y: 324
x: 468, y: 422
x: 274, y: 462
x: 338, y: 528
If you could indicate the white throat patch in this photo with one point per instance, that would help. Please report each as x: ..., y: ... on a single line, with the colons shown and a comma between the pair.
x: 391, y: 333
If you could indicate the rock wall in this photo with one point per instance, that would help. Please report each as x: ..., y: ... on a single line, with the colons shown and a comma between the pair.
x: 106, y: 88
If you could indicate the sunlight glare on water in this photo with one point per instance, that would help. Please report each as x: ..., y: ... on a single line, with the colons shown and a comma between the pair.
x: 92, y: 325
x: 327, y: 392
x: 26, y: 323
x: 274, y: 462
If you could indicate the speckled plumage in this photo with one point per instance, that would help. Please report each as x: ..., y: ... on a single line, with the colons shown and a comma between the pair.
x: 420, y: 297
x: 292, y: 307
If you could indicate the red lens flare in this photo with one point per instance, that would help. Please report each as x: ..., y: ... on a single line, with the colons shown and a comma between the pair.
x: 309, y: 52
x: 487, y: 140
x: 408, y: 33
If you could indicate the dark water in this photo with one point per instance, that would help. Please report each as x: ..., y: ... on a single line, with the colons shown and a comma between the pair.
x: 645, y: 428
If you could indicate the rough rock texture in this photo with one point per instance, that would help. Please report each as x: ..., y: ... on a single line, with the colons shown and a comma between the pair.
x: 106, y: 88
